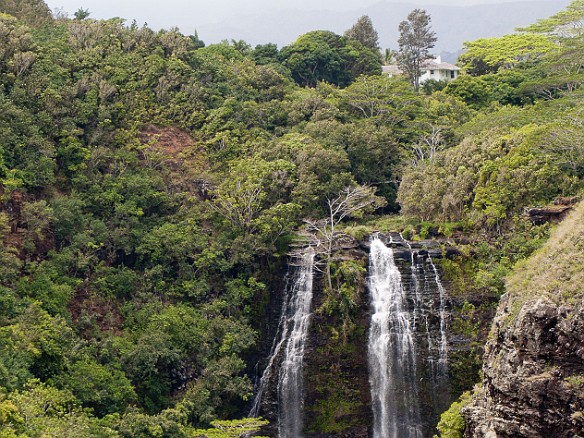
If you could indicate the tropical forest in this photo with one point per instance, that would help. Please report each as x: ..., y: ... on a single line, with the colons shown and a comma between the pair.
x: 219, y: 240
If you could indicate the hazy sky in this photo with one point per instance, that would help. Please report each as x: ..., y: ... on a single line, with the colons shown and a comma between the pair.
x: 168, y: 13
x: 262, y: 21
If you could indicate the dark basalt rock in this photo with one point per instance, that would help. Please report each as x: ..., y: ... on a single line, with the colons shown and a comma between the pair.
x: 533, y: 367
x: 533, y: 374
x: 539, y: 216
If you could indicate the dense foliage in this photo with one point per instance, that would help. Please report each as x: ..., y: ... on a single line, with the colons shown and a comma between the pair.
x: 149, y: 187
x: 325, y: 56
x: 364, y: 32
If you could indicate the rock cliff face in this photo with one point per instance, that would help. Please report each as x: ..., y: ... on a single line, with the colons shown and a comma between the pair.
x: 533, y: 368
x: 337, y: 394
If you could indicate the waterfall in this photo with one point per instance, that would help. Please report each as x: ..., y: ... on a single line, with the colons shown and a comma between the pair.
x: 407, y: 348
x: 291, y: 342
x: 279, y: 340
x: 408, y: 344
x: 392, y: 355
x: 443, y: 353
x: 291, y: 382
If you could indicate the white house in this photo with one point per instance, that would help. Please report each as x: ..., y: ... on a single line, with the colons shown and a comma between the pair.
x: 438, y: 70
x: 432, y: 69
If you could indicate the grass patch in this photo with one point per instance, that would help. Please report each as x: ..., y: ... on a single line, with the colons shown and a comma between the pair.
x: 553, y: 272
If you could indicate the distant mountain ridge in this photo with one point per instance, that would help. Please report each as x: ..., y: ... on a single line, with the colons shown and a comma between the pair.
x: 452, y: 24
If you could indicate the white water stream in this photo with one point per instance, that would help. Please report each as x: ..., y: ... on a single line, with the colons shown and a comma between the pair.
x: 291, y: 344
x: 291, y: 382
x: 392, y: 360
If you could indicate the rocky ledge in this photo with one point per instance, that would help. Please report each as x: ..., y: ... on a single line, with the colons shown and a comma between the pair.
x: 533, y: 369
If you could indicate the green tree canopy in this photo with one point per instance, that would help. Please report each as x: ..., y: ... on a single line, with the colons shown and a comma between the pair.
x: 31, y: 12
x: 567, y: 23
x: 489, y: 55
x: 82, y: 14
x: 326, y: 56
x: 364, y: 32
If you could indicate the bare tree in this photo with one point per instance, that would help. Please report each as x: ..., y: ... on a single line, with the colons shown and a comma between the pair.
x: 350, y: 202
x: 428, y: 145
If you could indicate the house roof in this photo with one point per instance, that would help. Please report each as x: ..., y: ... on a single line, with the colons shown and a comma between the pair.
x: 434, y: 64
x: 431, y: 64
x: 391, y: 70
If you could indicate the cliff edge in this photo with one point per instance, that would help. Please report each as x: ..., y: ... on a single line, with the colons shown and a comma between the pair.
x: 533, y: 370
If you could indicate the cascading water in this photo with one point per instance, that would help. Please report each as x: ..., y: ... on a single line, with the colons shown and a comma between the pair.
x: 291, y: 382
x: 392, y: 355
x: 407, y: 349
x: 279, y: 340
x: 290, y: 347
x: 443, y: 352
x: 408, y: 346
